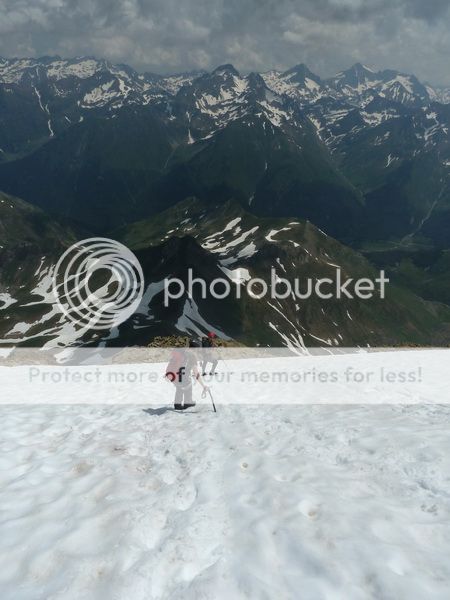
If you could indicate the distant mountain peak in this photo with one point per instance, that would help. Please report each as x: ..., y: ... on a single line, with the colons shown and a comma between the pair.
x: 360, y: 67
x: 255, y: 79
x: 226, y: 69
x: 356, y: 73
x: 301, y: 70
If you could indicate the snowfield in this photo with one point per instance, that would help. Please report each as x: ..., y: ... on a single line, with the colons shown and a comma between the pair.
x: 294, y: 502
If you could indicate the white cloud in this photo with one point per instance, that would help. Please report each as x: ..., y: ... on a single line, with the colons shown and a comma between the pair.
x: 169, y: 35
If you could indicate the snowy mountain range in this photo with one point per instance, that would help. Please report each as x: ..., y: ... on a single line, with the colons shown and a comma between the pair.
x: 364, y: 156
x: 67, y: 91
x: 349, y: 133
x: 121, y: 83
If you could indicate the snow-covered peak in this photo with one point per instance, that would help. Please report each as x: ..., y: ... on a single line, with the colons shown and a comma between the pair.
x: 361, y: 71
x: 298, y: 83
x: 403, y: 88
x: 96, y: 76
x: 299, y: 74
x: 223, y: 96
x: 355, y: 81
x: 360, y: 84
x: 81, y: 68
x: 55, y: 68
x: 173, y: 83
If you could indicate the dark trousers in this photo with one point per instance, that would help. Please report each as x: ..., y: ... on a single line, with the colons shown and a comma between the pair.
x: 183, y: 393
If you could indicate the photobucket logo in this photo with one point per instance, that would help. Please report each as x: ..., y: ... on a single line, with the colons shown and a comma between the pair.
x: 277, y: 288
x: 98, y: 283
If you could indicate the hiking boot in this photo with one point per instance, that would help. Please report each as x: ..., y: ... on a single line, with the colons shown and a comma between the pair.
x: 178, y: 407
x: 188, y: 405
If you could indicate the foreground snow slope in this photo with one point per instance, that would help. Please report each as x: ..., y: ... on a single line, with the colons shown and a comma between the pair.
x: 395, y: 377
x: 309, y: 502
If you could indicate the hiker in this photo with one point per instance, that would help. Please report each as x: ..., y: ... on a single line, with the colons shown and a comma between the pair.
x: 182, y: 366
x: 209, y: 342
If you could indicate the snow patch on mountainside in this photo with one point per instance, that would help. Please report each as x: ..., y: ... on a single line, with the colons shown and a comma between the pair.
x: 191, y: 321
x: 6, y: 300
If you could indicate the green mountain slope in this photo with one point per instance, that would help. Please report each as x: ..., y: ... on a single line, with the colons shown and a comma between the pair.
x: 246, y: 245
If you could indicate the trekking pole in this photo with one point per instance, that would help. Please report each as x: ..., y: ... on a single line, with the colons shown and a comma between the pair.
x: 212, y: 400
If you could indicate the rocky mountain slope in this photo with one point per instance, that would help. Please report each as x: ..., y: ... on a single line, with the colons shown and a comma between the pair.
x: 221, y: 242
x: 364, y: 156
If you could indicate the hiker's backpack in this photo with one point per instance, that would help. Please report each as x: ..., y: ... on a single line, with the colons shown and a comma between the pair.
x: 206, y: 342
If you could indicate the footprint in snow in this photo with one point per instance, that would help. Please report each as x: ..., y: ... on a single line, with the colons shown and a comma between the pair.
x: 185, y: 497
x: 287, y: 477
x: 309, y: 509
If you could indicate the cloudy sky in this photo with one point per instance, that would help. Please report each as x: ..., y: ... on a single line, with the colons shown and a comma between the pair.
x: 176, y: 35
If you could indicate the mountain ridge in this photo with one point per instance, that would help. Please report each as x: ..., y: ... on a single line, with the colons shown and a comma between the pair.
x: 222, y: 241
x: 382, y: 126
x: 57, y: 60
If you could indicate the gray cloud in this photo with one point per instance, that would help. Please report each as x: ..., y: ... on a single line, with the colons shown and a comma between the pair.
x: 174, y: 35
